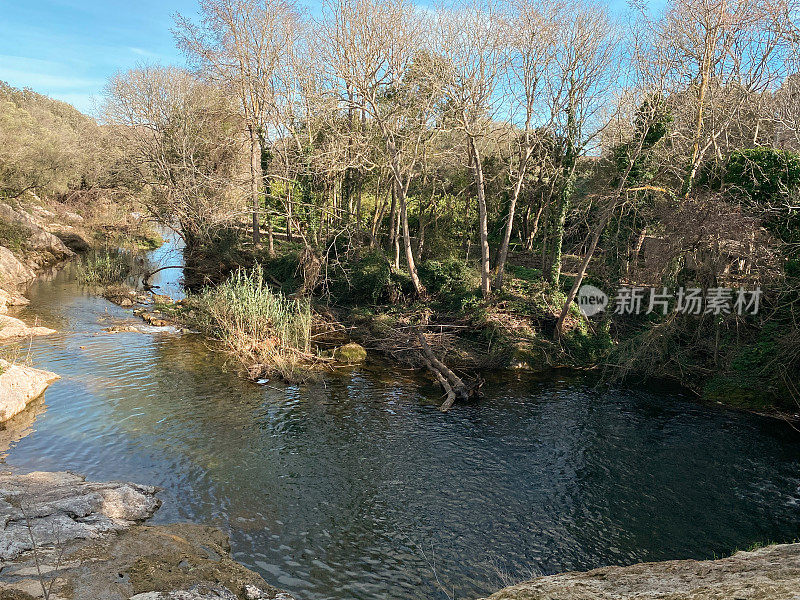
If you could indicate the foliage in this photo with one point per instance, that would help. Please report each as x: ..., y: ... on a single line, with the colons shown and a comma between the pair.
x: 763, y: 176
x: 768, y: 180
x: 47, y: 145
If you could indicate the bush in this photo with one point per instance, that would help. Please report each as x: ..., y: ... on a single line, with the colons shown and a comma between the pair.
x: 451, y: 281
x: 768, y: 180
x: 366, y: 279
x: 447, y: 277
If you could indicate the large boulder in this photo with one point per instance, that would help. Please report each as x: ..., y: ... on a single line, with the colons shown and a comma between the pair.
x: 19, y: 385
x: 60, y: 507
x: 11, y: 328
x: 165, y: 562
x: 13, y: 273
x: 771, y: 573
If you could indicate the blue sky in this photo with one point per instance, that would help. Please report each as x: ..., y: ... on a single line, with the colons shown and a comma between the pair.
x: 68, y: 49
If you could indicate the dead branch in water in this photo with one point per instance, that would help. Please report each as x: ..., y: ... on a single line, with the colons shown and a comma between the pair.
x: 453, y: 385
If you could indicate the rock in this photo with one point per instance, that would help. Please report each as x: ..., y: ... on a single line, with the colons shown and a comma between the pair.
x: 12, y: 272
x: 14, y: 328
x: 350, y: 354
x: 198, y: 592
x: 74, y: 217
x: 40, y: 239
x: 121, y: 329
x: 771, y: 573
x: 155, y: 319
x: 90, y: 544
x: 11, y: 299
x: 120, y: 295
x: 167, y: 562
x: 162, y: 299
x: 47, y: 242
x: 60, y: 507
x: 19, y: 426
x: 19, y: 385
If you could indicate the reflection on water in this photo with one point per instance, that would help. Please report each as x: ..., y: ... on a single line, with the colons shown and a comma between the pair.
x: 356, y: 486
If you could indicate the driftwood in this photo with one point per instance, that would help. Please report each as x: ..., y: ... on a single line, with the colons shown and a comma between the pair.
x: 453, y: 385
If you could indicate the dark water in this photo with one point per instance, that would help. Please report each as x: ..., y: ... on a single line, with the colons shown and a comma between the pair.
x: 358, y: 487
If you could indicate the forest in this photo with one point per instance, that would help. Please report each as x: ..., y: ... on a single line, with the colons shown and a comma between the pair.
x: 441, y: 183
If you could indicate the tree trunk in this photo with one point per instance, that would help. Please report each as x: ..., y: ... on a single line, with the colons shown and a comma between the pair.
x: 412, y: 266
x: 255, y: 177
x: 564, y: 197
x: 557, y: 236
x: 503, y: 255
x: 483, y: 219
x: 393, y: 217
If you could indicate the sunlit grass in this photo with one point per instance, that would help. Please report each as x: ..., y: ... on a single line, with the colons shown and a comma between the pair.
x: 268, y: 331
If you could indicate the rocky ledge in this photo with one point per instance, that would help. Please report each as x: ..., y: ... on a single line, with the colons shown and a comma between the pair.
x: 19, y: 385
x: 65, y: 538
x: 770, y: 573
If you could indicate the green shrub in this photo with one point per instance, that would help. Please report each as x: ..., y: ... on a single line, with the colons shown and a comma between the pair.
x: 451, y: 281
x: 768, y: 180
x: 447, y: 277
x: 366, y: 279
x: 763, y: 175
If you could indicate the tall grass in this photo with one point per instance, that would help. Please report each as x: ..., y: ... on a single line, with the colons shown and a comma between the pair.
x: 105, y: 268
x: 268, y: 331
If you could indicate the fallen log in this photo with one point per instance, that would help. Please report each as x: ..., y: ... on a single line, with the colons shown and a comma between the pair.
x: 453, y: 385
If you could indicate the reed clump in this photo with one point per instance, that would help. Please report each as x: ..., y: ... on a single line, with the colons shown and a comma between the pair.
x: 267, y: 331
x: 105, y: 268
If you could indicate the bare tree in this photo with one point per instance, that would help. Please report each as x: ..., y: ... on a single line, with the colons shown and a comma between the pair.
x: 380, y: 66
x: 177, y: 133
x: 723, y: 53
x: 240, y: 44
x: 473, y: 40
x: 576, y: 92
x: 532, y: 44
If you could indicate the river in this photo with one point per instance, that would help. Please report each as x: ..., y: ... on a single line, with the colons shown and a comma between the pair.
x: 358, y: 487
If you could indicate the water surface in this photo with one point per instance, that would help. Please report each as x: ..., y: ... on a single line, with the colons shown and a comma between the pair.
x: 358, y: 487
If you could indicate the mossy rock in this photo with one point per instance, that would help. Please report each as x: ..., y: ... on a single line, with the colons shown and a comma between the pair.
x: 351, y: 354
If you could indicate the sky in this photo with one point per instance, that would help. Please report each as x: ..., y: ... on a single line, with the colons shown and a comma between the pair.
x: 68, y: 49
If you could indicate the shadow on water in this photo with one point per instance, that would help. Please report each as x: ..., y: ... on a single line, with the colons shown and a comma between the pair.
x: 356, y: 486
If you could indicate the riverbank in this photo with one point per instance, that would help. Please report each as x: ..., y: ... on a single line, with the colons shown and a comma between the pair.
x: 63, y: 537
x: 769, y: 573
x: 739, y: 361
